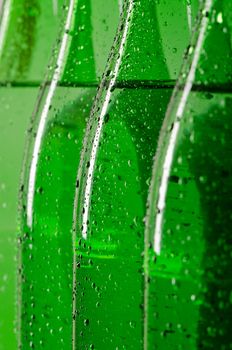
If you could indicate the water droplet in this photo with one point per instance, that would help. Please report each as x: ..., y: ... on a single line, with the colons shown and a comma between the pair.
x: 86, y: 322
x: 219, y: 18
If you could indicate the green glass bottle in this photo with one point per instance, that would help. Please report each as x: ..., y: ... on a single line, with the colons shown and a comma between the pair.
x: 113, y: 176
x: 188, y: 301
x: 24, y: 56
x: 49, y: 173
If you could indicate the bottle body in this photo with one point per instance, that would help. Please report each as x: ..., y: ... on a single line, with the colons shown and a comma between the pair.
x: 109, y: 255
x: 112, y: 183
x: 52, y: 156
x: 187, y: 297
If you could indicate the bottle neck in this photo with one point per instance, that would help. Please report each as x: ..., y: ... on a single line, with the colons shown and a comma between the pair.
x: 18, y: 34
x: 80, y: 63
x: 27, y: 33
x: 90, y: 38
x: 143, y: 58
x: 157, y: 38
x: 210, y: 51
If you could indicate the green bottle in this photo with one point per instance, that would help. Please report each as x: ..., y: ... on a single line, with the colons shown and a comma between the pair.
x: 49, y: 173
x: 24, y: 55
x: 188, y: 300
x: 113, y: 176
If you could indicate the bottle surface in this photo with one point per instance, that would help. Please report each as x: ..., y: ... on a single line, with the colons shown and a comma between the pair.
x: 187, y: 238
x: 24, y: 56
x: 113, y: 178
x: 51, y: 161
